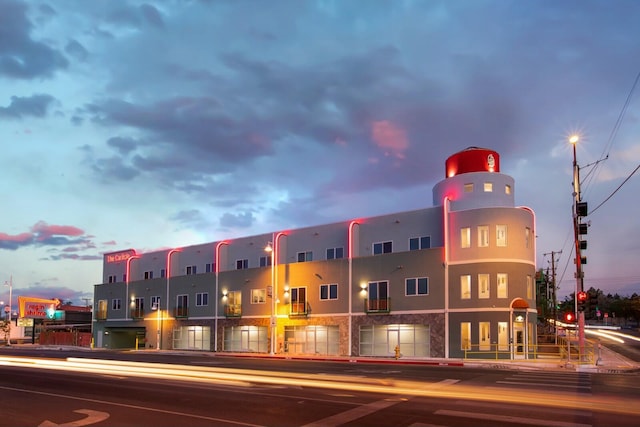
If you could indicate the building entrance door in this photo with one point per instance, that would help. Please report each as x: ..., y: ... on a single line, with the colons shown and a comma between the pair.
x: 519, y: 341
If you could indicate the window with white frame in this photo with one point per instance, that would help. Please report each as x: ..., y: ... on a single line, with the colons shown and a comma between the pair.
x: 484, y: 336
x: 265, y: 261
x: 483, y: 236
x: 465, y: 286
x: 202, y: 299
x: 101, y: 313
x: 182, y: 305
x: 112, y: 279
x: 483, y: 286
x: 116, y: 304
x: 305, y: 256
x: 503, y: 283
x: 138, y: 307
x: 335, y: 253
x: 416, y: 286
x: 465, y: 237
x: 242, y: 264
x: 329, y: 291
x: 191, y: 269
x: 258, y: 296
x: 488, y: 187
x: 299, y: 300
x: 501, y: 235
x: 148, y: 275
x: 208, y: 268
x: 382, y: 248
x: 529, y: 287
x: 465, y: 335
x: 468, y: 188
x: 416, y: 243
x: 155, y: 303
x: 378, y: 296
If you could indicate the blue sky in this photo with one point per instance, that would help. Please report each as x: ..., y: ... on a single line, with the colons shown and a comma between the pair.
x: 167, y: 123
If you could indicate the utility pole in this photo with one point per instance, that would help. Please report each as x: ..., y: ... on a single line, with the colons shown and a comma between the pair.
x: 554, y: 310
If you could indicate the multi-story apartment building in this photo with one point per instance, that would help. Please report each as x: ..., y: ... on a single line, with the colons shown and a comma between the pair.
x: 453, y: 280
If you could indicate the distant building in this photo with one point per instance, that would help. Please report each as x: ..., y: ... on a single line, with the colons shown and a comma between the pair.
x: 449, y: 281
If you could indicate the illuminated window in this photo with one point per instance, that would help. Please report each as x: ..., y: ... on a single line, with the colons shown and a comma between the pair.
x: 416, y: 243
x: 258, y: 296
x: 503, y: 336
x: 265, y: 261
x: 483, y: 236
x: 202, y: 299
x: 101, y: 313
x: 155, y: 303
x: 465, y: 237
x: 417, y: 286
x: 335, y: 253
x: 465, y: 335
x: 305, y: 256
x: 465, y: 286
x: 501, y: 235
x: 502, y: 285
x: 116, y: 304
x: 382, y: 248
x: 138, y: 308
x: 191, y: 269
x: 483, y: 286
x: 529, y: 287
x: 182, y: 305
x: 148, y: 275
x: 378, y: 296
x: 468, y: 188
x: 507, y: 189
x: 527, y: 237
x: 484, y: 338
x: 488, y: 187
x: 329, y: 291
x: 298, y: 300
x: 242, y: 264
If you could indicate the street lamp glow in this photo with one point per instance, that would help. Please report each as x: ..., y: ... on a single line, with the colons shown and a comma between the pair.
x: 574, y: 139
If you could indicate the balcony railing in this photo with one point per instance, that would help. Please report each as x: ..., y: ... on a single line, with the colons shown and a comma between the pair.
x: 299, y: 309
x: 181, y: 312
x: 233, y: 310
x: 101, y: 315
x: 137, y: 313
x: 380, y: 305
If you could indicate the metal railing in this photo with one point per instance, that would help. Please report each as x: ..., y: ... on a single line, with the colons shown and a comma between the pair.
x: 566, y: 350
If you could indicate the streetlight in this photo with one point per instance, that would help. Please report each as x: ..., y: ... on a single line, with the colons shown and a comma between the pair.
x: 10, y: 285
x: 269, y: 249
x: 156, y: 306
x: 171, y: 252
x: 574, y: 139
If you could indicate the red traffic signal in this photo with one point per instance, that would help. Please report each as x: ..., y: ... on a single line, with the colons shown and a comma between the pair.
x: 569, y: 317
x: 582, y: 297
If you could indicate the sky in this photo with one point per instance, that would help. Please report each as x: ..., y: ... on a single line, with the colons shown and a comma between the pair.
x: 156, y: 124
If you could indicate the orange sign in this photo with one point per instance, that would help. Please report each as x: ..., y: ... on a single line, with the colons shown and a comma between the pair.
x: 37, y: 308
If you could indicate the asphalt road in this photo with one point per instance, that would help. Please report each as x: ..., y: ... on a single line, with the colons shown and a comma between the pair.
x: 227, y: 391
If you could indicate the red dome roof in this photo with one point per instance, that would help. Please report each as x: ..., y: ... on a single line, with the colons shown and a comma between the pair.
x: 472, y: 159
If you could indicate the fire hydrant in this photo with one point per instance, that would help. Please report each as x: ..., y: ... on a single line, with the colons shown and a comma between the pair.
x: 397, y: 350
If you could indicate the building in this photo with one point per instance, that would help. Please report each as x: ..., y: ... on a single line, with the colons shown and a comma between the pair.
x: 449, y: 281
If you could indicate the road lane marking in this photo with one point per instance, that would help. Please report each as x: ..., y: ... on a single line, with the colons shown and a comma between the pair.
x: 353, y: 414
x: 92, y: 417
x: 509, y: 419
x: 126, y: 405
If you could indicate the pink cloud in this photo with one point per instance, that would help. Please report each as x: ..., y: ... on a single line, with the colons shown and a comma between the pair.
x: 390, y: 137
x: 22, y: 237
x: 45, y: 230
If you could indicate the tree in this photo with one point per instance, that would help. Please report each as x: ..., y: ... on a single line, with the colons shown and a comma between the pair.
x: 5, y: 327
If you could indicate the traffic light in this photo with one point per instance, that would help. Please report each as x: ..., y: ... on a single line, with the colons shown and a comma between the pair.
x: 569, y: 317
x: 582, y: 300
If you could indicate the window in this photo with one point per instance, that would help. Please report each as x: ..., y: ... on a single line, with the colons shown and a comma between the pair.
x: 416, y: 243
x: 484, y: 339
x: 242, y: 264
x: 527, y: 237
x: 507, y: 189
x: 417, y: 286
x: 148, y: 275
x: 502, y: 285
x: 335, y: 253
x: 483, y: 236
x: 101, y: 313
x: 529, y: 287
x: 483, y: 286
x: 465, y: 336
x: 191, y: 269
x: 465, y: 237
x: 265, y: 261
x: 234, y: 304
x: 138, y: 308
x: 155, y: 303
x: 465, y: 286
x: 503, y: 336
x: 488, y: 187
x: 112, y: 279
x: 305, y: 256
x: 382, y: 248
x: 328, y: 292
x: 182, y: 305
x: 468, y: 188
x: 163, y: 273
x: 124, y: 277
x: 378, y: 296
x: 202, y: 299
x: 298, y: 300
x: 207, y: 268
x: 501, y: 235
x: 258, y: 296
x: 115, y: 304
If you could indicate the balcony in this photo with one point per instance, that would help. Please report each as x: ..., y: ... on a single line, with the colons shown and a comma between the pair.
x: 101, y: 315
x: 380, y: 305
x: 181, y: 312
x: 298, y: 309
x: 233, y: 310
x: 137, y: 313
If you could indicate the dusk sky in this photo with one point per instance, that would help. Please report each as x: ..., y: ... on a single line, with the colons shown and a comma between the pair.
x: 157, y: 124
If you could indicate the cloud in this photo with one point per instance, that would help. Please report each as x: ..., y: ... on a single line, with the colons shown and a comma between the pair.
x: 390, y: 138
x: 22, y: 57
x: 75, y: 49
x: 34, y: 106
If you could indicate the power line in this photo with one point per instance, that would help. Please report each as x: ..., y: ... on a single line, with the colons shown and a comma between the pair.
x: 616, y: 190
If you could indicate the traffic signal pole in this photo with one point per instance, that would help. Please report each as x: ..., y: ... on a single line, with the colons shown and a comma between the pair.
x: 577, y: 229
